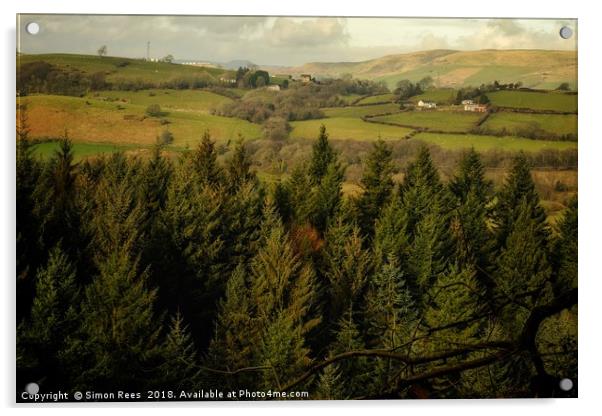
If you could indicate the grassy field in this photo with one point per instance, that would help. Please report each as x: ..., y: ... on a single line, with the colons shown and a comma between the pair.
x: 180, y: 100
x: 350, y: 98
x: 134, y: 69
x: 535, y: 100
x: 341, y: 128
x: 98, y: 121
x: 360, y: 111
x: 439, y: 95
x: 483, y: 143
x: 452, y: 121
x: 80, y: 150
x: 559, y: 124
x: 375, y: 99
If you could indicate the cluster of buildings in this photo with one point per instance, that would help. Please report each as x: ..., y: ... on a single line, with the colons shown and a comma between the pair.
x: 426, y: 104
x: 469, y: 105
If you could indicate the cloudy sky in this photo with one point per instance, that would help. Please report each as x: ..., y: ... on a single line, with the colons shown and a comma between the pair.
x: 282, y: 40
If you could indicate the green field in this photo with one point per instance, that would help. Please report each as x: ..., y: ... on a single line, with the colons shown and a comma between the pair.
x: 360, y: 111
x: 376, y: 99
x: 438, y: 95
x: 341, y: 128
x: 514, y: 123
x: 452, y: 121
x: 94, y: 120
x: 80, y: 150
x: 554, y: 101
x: 180, y: 100
x: 134, y: 70
x: 350, y: 98
x: 484, y: 143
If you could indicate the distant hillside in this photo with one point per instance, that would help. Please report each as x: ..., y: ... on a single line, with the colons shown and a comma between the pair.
x: 238, y: 63
x: 449, y: 68
x: 116, y: 68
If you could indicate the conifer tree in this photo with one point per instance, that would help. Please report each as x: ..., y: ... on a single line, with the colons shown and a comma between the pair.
x: 232, y: 346
x: 390, y: 313
x: 283, y: 297
x: 238, y: 167
x: 356, y: 372
x: 453, y: 300
x: 454, y: 296
x: 299, y: 188
x: 29, y: 252
x: 429, y: 252
x: 566, y: 250
x: 518, y: 186
x: 191, y: 273
x: 118, y: 341
x: 241, y: 222
x: 377, y: 181
x: 330, y: 384
x: 322, y: 156
x: 523, y: 270
x: 155, y: 179
x: 422, y: 191
x: 204, y: 161
x: 326, y: 197
x: 470, y: 179
x: 153, y: 184
x: 179, y: 369
x: 426, y: 207
x: 54, y: 317
x: 280, y: 279
x: 346, y: 266
x: 390, y: 236
x: 56, y: 209
x: 117, y: 221
x: 390, y: 307
x: 282, y: 196
x: 282, y: 350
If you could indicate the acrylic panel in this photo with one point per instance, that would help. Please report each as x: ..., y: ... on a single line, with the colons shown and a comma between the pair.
x: 295, y: 208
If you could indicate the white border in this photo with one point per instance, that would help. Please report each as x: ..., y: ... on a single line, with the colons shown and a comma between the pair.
x: 590, y: 141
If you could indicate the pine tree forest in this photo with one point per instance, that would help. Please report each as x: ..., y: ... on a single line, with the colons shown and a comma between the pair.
x: 190, y: 273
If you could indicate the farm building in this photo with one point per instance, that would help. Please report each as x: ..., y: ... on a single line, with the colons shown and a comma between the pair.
x: 228, y: 80
x: 467, y: 102
x: 477, y: 108
x: 427, y: 104
x: 274, y: 87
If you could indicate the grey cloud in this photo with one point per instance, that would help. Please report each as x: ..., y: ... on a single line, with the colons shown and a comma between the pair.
x: 512, y: 34
x: 279, y: 40
x: 508, y: 27
x: 314, y: 32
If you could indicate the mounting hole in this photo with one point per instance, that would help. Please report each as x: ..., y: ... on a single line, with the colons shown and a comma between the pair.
x: 566, y: 384
x: 32, y: 388
x: 32, y: 28
x: 566, y: 32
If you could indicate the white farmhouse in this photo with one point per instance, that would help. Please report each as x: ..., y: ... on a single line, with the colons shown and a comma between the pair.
x: 427, y: 104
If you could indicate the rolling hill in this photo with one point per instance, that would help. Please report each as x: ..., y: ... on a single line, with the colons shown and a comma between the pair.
x: 450, y: 68
x: 116, y: 68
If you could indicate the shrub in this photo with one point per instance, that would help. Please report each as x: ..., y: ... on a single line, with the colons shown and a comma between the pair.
x: 166, y: 137
x: 276, y: 128
x: 154, y: 110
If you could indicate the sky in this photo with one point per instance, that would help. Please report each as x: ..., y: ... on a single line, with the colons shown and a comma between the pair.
x: 284, y: 41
